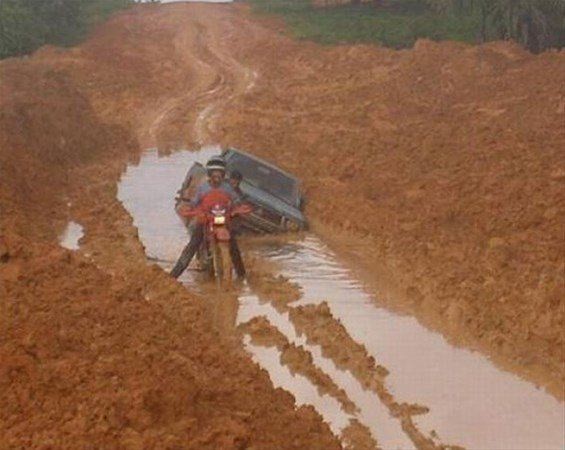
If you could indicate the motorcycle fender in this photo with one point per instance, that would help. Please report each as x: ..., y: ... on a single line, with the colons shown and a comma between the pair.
x: 222, y: 234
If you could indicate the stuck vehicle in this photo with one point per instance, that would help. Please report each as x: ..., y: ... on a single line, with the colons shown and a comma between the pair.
x: 274, y: 194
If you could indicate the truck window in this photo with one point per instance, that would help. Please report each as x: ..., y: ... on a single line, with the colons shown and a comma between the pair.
x: 264, y: 177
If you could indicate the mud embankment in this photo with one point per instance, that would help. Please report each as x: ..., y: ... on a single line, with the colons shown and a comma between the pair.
x: 417, y: 366
x: 443, y: 163
x: 47, y: 126
x: 298, y: 359
x: 97, y: 347
x: 438, y: 171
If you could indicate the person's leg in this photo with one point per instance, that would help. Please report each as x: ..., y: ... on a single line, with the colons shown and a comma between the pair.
x: 189, y: 251
x: 236, y: 258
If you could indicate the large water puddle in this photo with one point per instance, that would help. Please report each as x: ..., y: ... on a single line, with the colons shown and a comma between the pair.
x: 464, y: 391
x: 471, y: 402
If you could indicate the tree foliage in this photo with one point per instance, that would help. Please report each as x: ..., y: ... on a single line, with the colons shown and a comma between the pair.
x: 25, y: 25
x: 537, y: 24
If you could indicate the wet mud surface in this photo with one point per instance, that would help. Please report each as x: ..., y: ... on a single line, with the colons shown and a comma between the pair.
x: 307, y: 317
x: 452, y: 154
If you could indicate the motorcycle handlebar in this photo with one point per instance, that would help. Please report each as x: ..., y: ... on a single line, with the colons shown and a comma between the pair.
x: 189, y: 212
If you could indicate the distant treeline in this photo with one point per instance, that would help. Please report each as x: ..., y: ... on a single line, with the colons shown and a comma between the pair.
x: 26, y: 25
x: 537, y: 24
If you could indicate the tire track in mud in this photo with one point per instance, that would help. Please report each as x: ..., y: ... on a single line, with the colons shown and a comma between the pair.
x: 339, y: 348
x: 297, y: 358
x: 319, y: 326
x: 348, y: 356
x: 321, y: 329
x: 236, y: 80
x: 189, y: 54
x: 220, y: 79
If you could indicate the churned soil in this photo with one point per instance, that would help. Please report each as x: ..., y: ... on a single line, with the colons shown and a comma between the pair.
x: 98, y: 349
x: 438, y: 170
x: 321, y: 328
x: 90, y: 361
x: 357, y: 436
x: 296, y: 358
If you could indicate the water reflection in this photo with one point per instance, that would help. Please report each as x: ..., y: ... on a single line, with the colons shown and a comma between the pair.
x: 463, y: 390
x: 472, y: 403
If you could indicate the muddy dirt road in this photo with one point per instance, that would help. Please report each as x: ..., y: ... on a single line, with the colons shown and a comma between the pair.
x: 318, y: 333
x: 451, y: 154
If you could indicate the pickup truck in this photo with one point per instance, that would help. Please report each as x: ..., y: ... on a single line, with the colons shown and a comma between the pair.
x: 275, y: 195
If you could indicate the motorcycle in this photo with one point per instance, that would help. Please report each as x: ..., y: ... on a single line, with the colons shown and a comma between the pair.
x: 214, y: 254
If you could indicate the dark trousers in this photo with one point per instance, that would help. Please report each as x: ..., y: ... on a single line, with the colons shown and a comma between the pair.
x: 236, y: 259
x: 194, y: 244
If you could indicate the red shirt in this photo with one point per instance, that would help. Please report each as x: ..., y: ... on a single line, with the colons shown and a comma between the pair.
x: 215, y: 196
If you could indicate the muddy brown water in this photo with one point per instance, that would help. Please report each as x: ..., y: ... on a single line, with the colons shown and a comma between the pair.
x: 472, y: 403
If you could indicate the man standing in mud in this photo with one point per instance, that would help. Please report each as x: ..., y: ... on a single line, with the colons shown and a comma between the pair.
x: 216, y: 169
x: 235, y: 179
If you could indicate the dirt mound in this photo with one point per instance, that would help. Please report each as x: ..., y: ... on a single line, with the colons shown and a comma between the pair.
x: 443, y: 164
x: 88, y: 362
x: 97, y: 348
x: 46, y: 127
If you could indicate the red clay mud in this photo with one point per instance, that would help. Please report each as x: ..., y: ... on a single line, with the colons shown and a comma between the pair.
x: 98, y: 348
x: 321, y: 328
x: 357, y: 437
x: 298, y: 359
x: 276, y: 290
x: 443, y: 163
x: 84, y: 356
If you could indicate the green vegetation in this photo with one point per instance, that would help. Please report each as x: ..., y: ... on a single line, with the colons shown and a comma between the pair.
x: 26, y: 25
x: 396, y: 25
x: 537, y: 24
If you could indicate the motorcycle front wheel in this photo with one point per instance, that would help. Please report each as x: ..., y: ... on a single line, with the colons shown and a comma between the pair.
x: 221, y: 260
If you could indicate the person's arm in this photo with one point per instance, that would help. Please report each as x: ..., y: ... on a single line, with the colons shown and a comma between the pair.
x: 185, y: 190
x: 198, y: 196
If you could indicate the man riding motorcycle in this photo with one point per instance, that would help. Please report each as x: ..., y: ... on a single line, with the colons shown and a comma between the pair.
x: 215, y: 187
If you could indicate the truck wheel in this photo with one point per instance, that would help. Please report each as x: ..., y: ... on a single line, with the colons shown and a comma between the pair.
x: 291, y: 226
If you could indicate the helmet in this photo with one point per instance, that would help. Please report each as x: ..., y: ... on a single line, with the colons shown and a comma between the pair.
x: 216, y: 163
